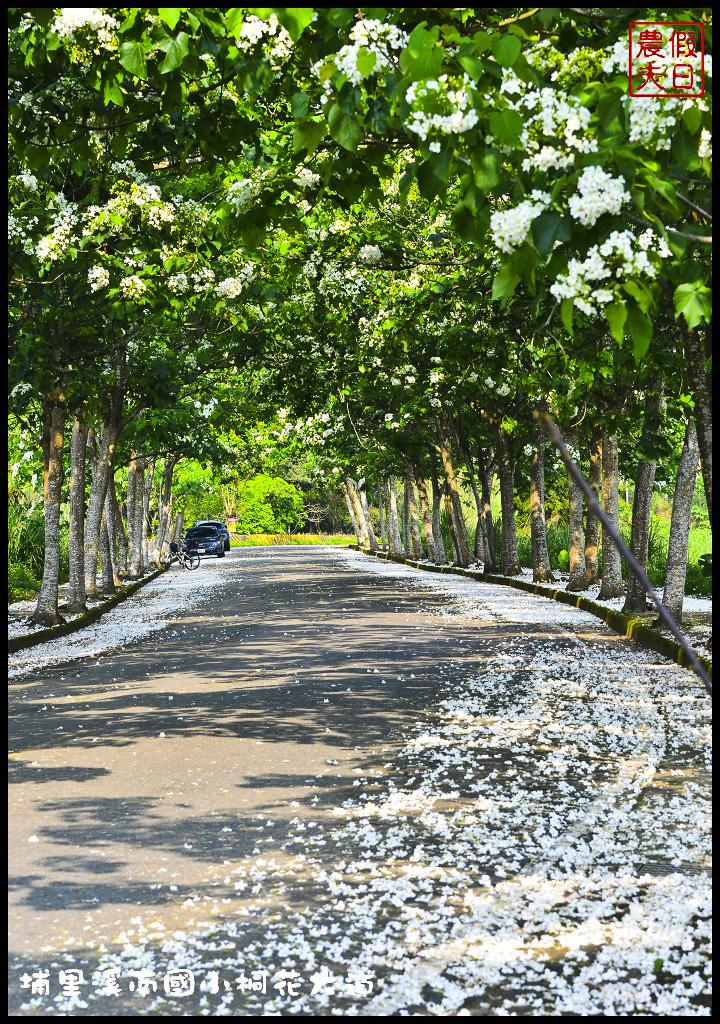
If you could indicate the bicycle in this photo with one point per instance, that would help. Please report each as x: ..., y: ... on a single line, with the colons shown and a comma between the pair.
x: 185, y: 559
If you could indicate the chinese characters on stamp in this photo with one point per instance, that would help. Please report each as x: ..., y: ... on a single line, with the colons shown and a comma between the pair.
x: 666, y: 58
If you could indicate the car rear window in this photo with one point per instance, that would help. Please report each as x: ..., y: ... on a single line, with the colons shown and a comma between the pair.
x: 203, y: 531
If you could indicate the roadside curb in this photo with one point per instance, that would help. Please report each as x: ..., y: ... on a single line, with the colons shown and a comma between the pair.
x: 21, y: 643
x: 634, y: 629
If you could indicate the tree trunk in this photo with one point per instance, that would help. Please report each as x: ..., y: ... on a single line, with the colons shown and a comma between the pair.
x: 538, y: 528
x: 636, y: 598
x: 510, y: 563
x: 425, y: 515
x: 697, y: 351
x: 358, y: 510
x: 414, y: 526
x: 363, y: 519
x: 451, y: 524
x: 576, y: 538
x: 372, y: 540
x: 112, y: 527
x: 381, y: 515
x: 76, y: 532
x: 135, y: 496
x: 479, y: 546
x: 676, y: 570
x: 351, y: 513
x: 438, y: 542
x: 149, y: 475
x: 107, y: 577
x: 393, y: 519
x: 457, y: 518
x: 119, y: 530
x: 592, y: 523
x: 611, y: 582
x: 165, y: 509
x: 407, y: 543
x: 46, y: 610
x: 102, y: 472
x: 485, y: 463
x: 178, y: 528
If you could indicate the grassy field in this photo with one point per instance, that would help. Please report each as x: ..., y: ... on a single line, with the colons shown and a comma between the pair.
x: 259, y: 540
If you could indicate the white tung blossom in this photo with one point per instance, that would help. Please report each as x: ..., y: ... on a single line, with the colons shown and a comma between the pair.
x: 178, y: 283
x: 443, y: 105
x: 705, y: 147
x: 132, y: 287
x: 103, y: 26
x: 372, y: 37
x: 598, y: 193
x: 232, y: 287
x: 98, y: 278
x: 28, y: 181
x: 55, y: 245
x: 241, y: 194
x: 510, y: 227
x: 305, y: 178
x: 278, y: 41
x: 621, y: 256
x: 370, y: 254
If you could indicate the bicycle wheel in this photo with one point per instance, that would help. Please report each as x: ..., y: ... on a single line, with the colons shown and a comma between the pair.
x: 193, y: 561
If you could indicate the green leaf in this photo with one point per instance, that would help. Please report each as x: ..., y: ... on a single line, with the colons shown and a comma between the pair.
x: 566, y: 314
x: 643, y: 296
x: 483, y: 41
x: 308, y: 134
x: 473, y: 66
x: 294, y: 19
x: 326, y: 70
x: 344, y: 129
x: 366, y: 60
x: 132, y: 58
x: 692, y: 118
x: 234, y: 19
x: 616, y: 314
x: 640, y: 329
x: 299, y: 104
x: 112, y: 93
x: 549, y: 228
x: 176, y: 50
x: 694, y: 302
x: 130, y: 20
x: 422, y: 57
x: 506, y: 126
x: 486, y: 168
x: 504, y: 283
x: 432, y: 177
x: 170, y: 15
x: 506, y: 50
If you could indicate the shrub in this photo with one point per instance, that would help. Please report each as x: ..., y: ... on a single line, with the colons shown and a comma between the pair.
x: 26, y: 537
x: 268, y: 504
x: 22, y: 583
x: 699, y: 576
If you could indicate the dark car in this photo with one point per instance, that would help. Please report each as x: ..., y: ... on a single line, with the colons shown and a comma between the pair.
x: 205, y: 541
x: 220, y: 527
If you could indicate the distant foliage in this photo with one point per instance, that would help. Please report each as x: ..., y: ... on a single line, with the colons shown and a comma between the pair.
x: 267, y: 504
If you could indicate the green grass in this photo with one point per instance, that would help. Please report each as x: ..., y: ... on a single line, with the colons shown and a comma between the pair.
x: 258, y: 540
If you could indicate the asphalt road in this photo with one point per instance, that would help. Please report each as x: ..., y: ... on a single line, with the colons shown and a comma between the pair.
x: 145, y: 783
x: 128, y: 770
